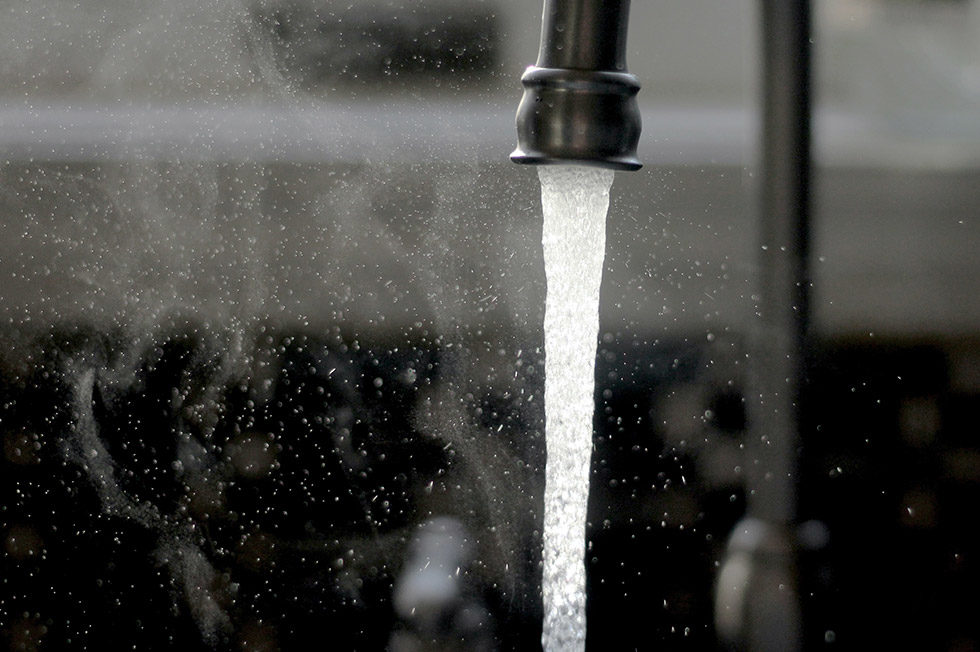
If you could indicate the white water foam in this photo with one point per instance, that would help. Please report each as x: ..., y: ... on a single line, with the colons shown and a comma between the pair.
x: 575, y: 201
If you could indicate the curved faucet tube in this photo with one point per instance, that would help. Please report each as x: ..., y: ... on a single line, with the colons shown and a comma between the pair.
x: 579, y: 103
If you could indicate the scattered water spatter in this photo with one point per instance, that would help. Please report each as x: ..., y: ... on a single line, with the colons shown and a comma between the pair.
x: 189, y: 567
x: 575, y: 200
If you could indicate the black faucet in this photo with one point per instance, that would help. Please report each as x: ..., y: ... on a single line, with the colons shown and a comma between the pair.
x: 579, y: 104
x: 580, y: 107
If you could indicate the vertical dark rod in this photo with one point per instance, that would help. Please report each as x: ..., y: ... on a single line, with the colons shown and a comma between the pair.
x: 784, y: 278
x: 757, y: 606
x: 579, y: 105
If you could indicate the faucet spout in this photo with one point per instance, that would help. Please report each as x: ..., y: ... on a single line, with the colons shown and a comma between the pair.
x: 579, y: 104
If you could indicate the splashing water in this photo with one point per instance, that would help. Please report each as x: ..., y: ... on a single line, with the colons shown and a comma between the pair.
x: 189, y: 567
x: 575, y: 200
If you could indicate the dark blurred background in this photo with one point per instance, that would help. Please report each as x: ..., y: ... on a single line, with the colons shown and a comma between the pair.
x: 272, y: 300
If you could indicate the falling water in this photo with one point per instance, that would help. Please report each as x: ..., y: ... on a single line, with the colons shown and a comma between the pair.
x: 575, y: 200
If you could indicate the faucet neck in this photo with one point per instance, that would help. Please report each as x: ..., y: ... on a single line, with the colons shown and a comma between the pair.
x: 584, y: 35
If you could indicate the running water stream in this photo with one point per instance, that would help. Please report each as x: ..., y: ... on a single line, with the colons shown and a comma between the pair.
x: 575, y: 200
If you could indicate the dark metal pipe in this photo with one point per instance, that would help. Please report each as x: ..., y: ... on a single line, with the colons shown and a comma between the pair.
x: 784, y: 279
x: 756, y: 604
x: 579, y: 103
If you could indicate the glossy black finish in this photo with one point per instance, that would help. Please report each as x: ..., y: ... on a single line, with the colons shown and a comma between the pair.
x: 579, y: 103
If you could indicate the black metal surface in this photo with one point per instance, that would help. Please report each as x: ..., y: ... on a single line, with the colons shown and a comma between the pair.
x: 579, y: 103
